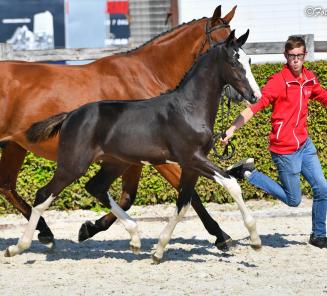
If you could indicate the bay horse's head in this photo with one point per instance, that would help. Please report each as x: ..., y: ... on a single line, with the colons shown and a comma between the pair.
x: 235, y: 68
x: 217, y: 28
x: 217, y: 22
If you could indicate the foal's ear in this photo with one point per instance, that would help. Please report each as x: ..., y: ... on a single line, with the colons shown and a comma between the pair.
x: 241, y: 40
x: 216, y: 15
x: 228, y: 17
x: 230, y: 39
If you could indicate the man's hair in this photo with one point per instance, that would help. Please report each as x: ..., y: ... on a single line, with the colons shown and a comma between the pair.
x: 294, y: 42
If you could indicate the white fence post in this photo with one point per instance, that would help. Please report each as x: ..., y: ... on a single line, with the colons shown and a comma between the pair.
x: 5, y: 51
x: 310, y: 44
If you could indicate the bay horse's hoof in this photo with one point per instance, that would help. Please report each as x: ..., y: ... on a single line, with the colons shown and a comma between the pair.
x: 46, y: 237
x: 84, y: 232
x: 135, y: 250
x: 155, y: 259
x: 224, y: 245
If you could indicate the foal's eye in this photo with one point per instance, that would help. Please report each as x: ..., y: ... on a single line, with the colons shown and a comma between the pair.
x: 233, y: 62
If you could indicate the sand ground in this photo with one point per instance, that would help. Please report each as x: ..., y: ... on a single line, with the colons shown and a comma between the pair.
x: 104, y: 265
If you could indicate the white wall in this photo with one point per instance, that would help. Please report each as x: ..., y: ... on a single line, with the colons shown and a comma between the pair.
x: 269, y: 20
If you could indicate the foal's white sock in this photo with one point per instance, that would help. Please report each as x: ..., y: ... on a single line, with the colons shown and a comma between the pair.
x: 247, y: 174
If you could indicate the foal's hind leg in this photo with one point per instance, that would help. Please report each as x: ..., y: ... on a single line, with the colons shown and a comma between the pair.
x: 98, y: 187
x: 12, y: 158
x: 188, y: 180
x: 130, y: 180
x: 44, y: 197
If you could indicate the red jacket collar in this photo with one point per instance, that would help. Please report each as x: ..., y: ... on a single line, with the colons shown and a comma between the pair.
x: 289, y: 77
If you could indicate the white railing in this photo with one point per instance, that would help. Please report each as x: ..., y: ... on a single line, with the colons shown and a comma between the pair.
x: 80, y: 54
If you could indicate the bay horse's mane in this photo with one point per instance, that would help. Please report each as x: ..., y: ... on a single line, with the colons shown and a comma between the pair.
x: 156, y: 37
x: 182, y: 81
x: 184, y: 78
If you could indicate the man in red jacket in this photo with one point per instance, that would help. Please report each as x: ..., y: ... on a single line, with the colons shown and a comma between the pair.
x: 292, y: 150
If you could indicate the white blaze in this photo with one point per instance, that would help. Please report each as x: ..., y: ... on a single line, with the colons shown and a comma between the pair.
x: 244, y: 60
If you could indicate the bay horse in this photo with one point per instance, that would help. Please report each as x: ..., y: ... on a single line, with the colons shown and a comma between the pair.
x: 174, y: 127
x: 30, y: 92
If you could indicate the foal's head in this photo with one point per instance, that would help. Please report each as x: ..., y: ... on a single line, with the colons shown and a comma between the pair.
x: 235, y: 68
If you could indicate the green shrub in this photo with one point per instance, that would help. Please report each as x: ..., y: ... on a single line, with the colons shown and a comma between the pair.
x: 251, y: 141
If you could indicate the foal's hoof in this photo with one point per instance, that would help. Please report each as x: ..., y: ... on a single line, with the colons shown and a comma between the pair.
x: 12, y: 251
x: 135, y: 250
x: 7, y: 253
x: 224, y: 245
x: 84, y: 231
x: 256, y: 247
x: 155, y: 259
x: 51, y: 246
x: 46, y: 237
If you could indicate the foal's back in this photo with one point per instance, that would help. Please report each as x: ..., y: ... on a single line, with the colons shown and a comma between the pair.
x: 120, y: 128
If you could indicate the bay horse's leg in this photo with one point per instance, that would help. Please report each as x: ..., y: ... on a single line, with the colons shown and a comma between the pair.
x: 98, y: 187
x: 12, y: 158
x: 172, y: 174
x: 187, y: 183
x: 206, y: 168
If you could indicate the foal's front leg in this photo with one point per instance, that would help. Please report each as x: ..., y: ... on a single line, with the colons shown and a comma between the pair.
x: 209, y: 170
x: 187, y: 184
x: 172, y: 174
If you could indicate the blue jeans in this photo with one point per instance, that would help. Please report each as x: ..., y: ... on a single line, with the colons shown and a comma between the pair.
x: 303, y: 161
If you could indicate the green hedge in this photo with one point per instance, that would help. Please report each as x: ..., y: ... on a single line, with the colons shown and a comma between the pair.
x: 251, y: 141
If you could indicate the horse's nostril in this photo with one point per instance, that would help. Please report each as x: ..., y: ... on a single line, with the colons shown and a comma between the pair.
x: 253, y: 99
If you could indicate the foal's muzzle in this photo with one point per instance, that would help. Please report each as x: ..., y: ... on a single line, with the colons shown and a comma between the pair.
x: 232, y: 94
x: 253, y: 99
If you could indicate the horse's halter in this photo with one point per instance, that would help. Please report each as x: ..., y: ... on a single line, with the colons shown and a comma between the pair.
x: 227, y: 154
x: 208, y: 32
x: 229, y: 149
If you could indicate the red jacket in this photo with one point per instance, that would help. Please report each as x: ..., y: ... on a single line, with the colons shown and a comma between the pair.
x: 289, y: 97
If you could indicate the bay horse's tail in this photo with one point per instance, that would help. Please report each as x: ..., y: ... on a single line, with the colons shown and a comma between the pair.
x: 46, y: 129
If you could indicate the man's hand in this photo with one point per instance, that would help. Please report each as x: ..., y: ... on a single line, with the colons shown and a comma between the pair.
x: 229, y: 134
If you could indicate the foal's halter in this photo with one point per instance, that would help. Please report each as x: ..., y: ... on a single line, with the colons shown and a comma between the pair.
x: 229, y: 149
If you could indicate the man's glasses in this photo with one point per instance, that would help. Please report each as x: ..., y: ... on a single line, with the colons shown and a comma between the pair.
x: 292, y: 57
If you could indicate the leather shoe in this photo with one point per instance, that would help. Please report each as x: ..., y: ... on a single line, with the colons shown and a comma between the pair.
x: 318, y: 241
x: 238, y: 169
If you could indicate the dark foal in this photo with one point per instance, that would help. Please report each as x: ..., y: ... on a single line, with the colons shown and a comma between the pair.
x: 31, y: 92
x: 174, y: 127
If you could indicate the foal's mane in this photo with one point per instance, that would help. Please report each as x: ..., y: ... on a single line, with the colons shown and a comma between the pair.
x: 187, y: 73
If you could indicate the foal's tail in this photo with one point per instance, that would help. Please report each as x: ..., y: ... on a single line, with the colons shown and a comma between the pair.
x: 46, y: 129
